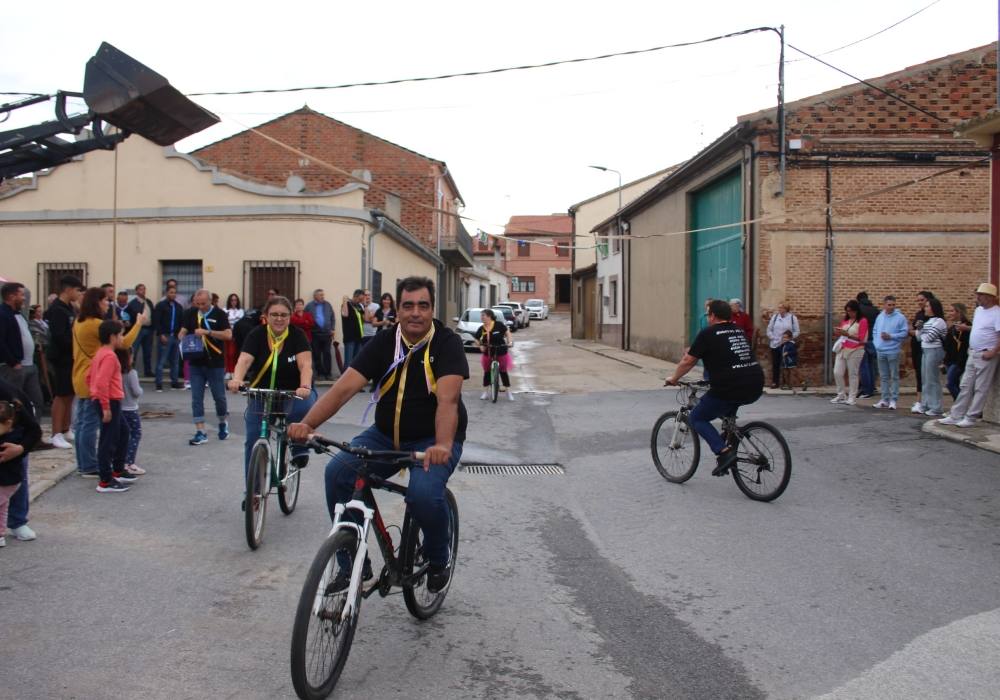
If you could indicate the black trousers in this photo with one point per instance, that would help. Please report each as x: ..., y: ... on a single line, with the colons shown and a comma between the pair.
x: 322, y: 366
x: 112, y: 443
x: 776, y: 366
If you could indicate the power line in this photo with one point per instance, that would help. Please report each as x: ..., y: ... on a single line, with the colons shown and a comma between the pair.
x: 493, y: 71
x: 872, y: 86
x: 883, y: 30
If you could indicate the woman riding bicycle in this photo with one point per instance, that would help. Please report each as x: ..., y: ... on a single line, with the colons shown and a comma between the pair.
x: 275, y: 356
x: 496, y: 337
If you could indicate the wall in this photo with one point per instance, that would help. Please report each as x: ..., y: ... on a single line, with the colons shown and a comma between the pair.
x: 543, y: 264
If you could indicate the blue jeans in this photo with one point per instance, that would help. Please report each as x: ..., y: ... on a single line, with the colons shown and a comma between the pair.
x: 869, y: 370
x: 215, y: 378
x: 930, y: 397
x: 168, y: 352
x: 708, y: 409
x: 954, y: 378
x: 351, y: 350
x: 88, y: 421
x: 252, y: 417
x: 424, y: 496
x: 144, y: 342
x: 17, y: 508
x: 888, y: 368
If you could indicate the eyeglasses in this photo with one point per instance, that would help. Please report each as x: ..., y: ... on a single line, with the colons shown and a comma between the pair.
x: 410, y: 305
x: 278, y: 315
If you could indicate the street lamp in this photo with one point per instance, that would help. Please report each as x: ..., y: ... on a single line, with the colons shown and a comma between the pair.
x: 612, y: 170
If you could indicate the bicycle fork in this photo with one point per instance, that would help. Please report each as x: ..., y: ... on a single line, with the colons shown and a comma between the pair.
x: 360, y: 555
x: 681, y: 426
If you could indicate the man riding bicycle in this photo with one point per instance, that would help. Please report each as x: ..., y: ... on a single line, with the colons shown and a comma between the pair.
x: 735, y: 376
x: 418, y: 370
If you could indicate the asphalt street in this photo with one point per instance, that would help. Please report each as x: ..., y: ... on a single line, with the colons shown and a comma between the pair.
x: 876, y: 574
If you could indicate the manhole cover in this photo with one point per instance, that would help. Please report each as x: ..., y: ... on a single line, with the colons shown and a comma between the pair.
x: 513, y: 469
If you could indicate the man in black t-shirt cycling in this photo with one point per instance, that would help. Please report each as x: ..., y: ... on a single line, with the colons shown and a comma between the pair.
x: 735, y: 376
x: 427, y: 360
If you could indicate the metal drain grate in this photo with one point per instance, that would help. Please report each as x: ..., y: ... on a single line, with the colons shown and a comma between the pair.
x: 513, y: 469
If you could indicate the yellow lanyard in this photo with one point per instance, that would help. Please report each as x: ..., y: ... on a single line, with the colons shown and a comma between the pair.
x: 205, y: 339
x: 412, y: 348
x: 361, y: 325
x: 487, y: 329
x: 276, y: 343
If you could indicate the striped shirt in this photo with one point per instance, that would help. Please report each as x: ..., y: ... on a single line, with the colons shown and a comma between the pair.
x: 932, y: 333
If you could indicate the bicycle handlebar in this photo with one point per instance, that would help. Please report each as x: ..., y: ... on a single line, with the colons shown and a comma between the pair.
x: 318, y: 443
x: 282, y: 393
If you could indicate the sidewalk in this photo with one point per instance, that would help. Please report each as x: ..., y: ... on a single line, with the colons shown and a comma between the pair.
x: 48, y: 467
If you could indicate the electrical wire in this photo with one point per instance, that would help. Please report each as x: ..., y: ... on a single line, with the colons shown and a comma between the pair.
x: 493, y: 71
x: 881, y: 31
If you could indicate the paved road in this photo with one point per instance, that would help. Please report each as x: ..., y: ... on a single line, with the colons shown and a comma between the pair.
x: 877, y: 574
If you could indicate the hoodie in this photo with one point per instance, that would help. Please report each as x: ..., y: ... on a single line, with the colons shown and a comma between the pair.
x: 896, y: 325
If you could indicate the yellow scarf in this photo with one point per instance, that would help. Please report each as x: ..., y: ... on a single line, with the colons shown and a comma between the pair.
x: 412, y: 348
x: 206, y: 339
x: 275, y: 343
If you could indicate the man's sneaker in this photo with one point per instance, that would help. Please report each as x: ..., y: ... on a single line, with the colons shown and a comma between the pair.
x: 510, y: 395
x: 125, y: 477
x: 111, y: 487
x: 851, y: 401
x: 949, y: 420
x: 159, y: 389
x: 223, y: 430
x: 724, y: 461
x: 176, y: 385
x: 438, y: 576
x: 892, y: 405
x: 881, y: 404
x: 89, y: 475
x: 134, y: 469
x: 199, y: 439
x: 966, y: 422
x: 839, y: 398
x: 485, y: 395
x: 865, y: 396
x: 932, y: 413
x: 3, y: 541
x: 61, y: 442
x: 187, y: 385
x: 300, y: 461
x: 918, y: 408
x: 23, y: 533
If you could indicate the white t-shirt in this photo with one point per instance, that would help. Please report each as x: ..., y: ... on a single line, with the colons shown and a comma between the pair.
x: 27, y: 342
x: 985, y: 328
x: 369, y: 329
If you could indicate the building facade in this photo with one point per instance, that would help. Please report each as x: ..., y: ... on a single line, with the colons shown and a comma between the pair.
x: 537, y: 253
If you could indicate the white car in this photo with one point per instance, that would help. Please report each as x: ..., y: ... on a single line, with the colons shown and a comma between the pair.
x: 520, y: 313
x: 537, y: 308
x: 468, y: 324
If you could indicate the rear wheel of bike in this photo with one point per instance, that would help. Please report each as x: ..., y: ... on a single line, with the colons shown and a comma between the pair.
x: 255, y: 503
x: 421, y: 602
x: 764, y: 464
x: 494, y: 380
x: 288, y: 489
x: 675, y: 447
x: 321, y: 639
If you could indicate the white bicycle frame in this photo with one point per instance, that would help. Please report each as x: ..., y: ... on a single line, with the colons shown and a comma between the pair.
x: 359, y: 557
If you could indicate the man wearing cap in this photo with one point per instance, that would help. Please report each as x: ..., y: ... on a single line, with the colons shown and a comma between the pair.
x: 984, y: 349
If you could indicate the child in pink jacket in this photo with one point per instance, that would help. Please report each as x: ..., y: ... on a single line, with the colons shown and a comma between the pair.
x: 104, y: 379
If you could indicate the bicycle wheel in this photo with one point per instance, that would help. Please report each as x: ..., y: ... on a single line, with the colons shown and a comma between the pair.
x: 255, y: 500
x: 288, y: 491
x: 321, y: 639
x: 494, y: 380
x: 421, y: 603
x: 675, y: 447
x: 764, y: 462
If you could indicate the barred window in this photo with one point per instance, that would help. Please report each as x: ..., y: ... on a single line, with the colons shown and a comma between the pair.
x: 49, y: 274
x: 261, y: 275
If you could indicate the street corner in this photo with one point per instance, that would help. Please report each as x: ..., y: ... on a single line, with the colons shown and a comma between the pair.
x: 48, y: 467
x: 983, y: 435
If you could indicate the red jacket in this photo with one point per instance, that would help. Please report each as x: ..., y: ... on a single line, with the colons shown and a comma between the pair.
x: 306, y: 322
x: 104, y: 378
x: 742, y: 319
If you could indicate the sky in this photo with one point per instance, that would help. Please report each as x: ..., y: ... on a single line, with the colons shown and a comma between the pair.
x: 516, y: 143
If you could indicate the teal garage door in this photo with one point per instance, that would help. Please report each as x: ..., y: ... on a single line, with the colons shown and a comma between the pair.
x: 716, y: 256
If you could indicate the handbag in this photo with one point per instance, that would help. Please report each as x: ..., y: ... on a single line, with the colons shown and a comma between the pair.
x: 838, y: 345
x: 192, y: 347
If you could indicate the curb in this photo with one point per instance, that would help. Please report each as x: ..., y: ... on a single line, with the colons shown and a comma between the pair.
x: 610, y: 357
x: 984, y: 438
x: 42, y: 477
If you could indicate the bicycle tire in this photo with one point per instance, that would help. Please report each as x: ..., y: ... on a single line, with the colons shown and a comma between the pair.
x: 255, y: 500
x: 421, y: 603
x: 288, y: 488
x: 329, y: 630
x: 675, y: 464
x: 764, y: 465
x: 494, y: 380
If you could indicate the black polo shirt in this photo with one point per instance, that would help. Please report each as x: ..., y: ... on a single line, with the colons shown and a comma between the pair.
x: 287, y: 375
x: 216, y: 320
x: 447, y: 357
x: 733, y: 371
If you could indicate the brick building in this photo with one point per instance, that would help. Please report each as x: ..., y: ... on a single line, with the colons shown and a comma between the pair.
x: 769, y: 238
x: 407, y: 186
x: 540, y: 268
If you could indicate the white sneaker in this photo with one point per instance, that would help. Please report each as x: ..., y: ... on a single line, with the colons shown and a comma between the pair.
x: 949, y: 420
x: 510, y: 395
x: 59, y: 441
x: 917, y: 408
x: 839, y: 398
x: 933, y: 414
x: 851, y: 401
x: 892, y: 405
x: 3, y: 541
x: 881, y: 404
x: 134, y: 469
x: 23, y: 533
x: 966, y: 423
x: 485, y: 395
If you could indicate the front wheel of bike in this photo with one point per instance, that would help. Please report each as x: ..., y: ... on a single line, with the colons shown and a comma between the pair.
x: 288, y: 488
x: 764, y: 462
x: 255, y: 500
x: 675, y: 447
x: 494, y: 380
x: 321, y: 638
x: 421, y: 602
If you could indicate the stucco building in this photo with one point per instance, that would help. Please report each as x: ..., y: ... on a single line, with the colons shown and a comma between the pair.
x: 537, y: 257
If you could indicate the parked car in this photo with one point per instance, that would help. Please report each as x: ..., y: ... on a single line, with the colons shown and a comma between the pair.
x: 508, y: 316
x: 469, y: 323
x: 537, y: 308
x: 520, y: 313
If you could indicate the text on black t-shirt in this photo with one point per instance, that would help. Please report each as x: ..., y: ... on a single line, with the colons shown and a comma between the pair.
x: 733, y: 371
